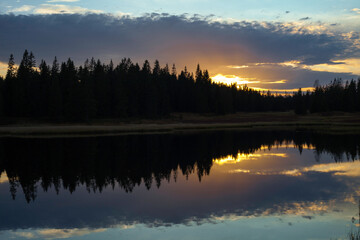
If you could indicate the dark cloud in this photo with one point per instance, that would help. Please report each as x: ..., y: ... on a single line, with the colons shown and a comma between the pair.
x: 166, y: 37
x: 304, y: 19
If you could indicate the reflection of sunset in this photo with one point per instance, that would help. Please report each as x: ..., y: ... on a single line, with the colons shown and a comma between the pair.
x: 3, y: 177
x: 307, y: 208
x: 349, y: 169
x: 230, y: 159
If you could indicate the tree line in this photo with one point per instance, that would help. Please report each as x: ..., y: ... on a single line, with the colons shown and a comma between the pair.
x: 63, y: 91
x: 98, y: 90
x: 336, y: 96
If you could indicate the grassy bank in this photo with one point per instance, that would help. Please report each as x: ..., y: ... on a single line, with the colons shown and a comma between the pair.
x: 334, y: 123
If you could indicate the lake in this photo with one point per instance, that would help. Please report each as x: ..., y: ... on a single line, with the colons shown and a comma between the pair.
x: 228, y: 184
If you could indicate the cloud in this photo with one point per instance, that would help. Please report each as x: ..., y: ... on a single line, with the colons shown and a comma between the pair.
x: 62, y: 9
x: 24, y: 8
x: 294, y: 72
x: 304, y: 19
x: 357, y: 10
x: 184, y: 40
x: 53, y: 8
x: 54, y: 1
x: 3, y: 68
x: 238, y: 67
x: 351, y: 65
x: 278, y: 82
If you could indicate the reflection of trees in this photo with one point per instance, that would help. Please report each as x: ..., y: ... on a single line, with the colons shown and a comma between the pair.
x: 128, y: 161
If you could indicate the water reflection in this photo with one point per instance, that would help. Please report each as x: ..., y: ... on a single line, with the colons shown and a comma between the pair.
x: 87, y: 186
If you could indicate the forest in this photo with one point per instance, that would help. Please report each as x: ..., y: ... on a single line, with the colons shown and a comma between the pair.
x: 65, y: 92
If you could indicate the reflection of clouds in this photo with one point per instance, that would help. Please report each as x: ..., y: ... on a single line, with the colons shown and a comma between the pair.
x: 3, y: 177
x: 58, y: 233
x: 67, y: 233
x: 349, y: 169
x: 294, y: 172
x: 28, y: 235
x: 220, y: 196
x: 307, y: 208
x: 304, y: 209
x: 242, y: 195
x: 352, y: 197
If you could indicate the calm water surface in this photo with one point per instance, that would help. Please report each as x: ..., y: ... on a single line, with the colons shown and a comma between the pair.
x: 207, y: 185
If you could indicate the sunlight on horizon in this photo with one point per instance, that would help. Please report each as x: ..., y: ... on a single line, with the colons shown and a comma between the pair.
x: 239, y: 82
x: 233, y: 79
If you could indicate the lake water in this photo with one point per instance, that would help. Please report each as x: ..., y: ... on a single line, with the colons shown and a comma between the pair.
x: 193, y: 185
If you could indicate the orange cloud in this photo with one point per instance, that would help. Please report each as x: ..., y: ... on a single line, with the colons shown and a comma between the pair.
x: 351, y: 65
x: 3, y: 69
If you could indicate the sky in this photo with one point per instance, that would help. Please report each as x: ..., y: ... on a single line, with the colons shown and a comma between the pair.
x: 279, y: 45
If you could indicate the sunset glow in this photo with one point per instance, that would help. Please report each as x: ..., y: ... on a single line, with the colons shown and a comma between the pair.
x: 255, y: 48
x: 232, y: 79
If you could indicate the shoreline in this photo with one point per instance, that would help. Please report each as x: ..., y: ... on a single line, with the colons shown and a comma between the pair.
x: 335, y: 123
x: 51, y: 131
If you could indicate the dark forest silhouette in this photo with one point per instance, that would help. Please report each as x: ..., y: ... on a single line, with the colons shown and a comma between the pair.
x: 333, y: 97
x: 128, y: 161
x: 96, y: 90
x: 126, y: 90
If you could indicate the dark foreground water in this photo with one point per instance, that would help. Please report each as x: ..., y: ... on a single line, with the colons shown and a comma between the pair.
x: 207, y: 185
